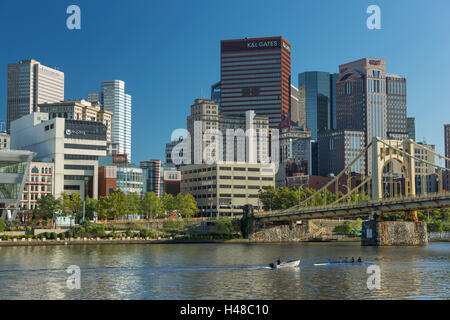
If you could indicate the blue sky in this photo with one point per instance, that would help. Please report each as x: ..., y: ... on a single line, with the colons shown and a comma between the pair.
x: 168, y: 54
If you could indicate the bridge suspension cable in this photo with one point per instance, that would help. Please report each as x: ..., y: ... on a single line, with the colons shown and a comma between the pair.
x: 335, y: 180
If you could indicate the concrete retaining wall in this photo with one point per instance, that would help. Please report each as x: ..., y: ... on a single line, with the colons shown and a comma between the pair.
x: 394, y: 233
x: 308, y: 230
x: 12, y: 233
x: 41, y: 231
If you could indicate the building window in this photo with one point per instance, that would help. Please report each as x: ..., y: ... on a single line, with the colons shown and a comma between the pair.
x: 71, y: 187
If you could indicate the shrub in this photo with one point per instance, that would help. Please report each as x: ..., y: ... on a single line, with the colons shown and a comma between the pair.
x: 346, y: 228
x: 47, y: 235
x: 2, y: 225
x: 53, y: 236
x: 435, y: 226
x: 62, y: 236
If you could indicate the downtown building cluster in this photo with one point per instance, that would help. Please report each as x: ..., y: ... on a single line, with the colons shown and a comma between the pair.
x: 257, y: 130
x: 80, y: 146
x: 322, y: 123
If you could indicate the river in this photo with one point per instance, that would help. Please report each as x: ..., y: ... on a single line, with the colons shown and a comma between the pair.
x: 223, y: 271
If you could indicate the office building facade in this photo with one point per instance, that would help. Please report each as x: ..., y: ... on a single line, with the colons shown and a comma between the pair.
x: 426, y: 178
x: 152, y: 175
x: 169, y: 149
x: 29, y: 84
x: 223, y: 188
x: 298, y: 106
x: 320, y: 100
x: 205, y: 115
x: 115, y: 173
x: 255, y: 75
x: 39, y: 183
x: 74, y: 146
x: 171, y: 181
x: 294, y: 143
x: 79, y: 110
x: 4, y: 141
x: 337, y: 149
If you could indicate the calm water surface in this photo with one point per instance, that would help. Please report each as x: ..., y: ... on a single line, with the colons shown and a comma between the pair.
x: 223, y: 271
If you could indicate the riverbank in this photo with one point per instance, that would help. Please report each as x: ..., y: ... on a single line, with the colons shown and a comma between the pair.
x: 89, y: 241
x: 101, y: 241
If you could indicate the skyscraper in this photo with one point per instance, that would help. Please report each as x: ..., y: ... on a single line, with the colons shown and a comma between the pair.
x: 371, y: 100
x: 320, y: 100
x: 112, y: 97
x: 255, y: 75
x: 30, y: 84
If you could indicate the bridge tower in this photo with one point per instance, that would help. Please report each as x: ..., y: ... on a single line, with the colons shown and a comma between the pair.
x: 389, y: 151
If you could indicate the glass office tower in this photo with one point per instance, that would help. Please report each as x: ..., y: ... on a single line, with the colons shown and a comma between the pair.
x: 320, y: 92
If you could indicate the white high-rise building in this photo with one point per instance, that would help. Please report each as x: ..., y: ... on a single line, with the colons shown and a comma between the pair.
x: 112, y: 97
x: 30, y: 84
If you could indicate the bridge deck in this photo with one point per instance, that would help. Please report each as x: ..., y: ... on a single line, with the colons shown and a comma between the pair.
x: 421, y: 202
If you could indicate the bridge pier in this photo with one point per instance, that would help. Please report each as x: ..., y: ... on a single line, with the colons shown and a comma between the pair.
x: 394, y: 233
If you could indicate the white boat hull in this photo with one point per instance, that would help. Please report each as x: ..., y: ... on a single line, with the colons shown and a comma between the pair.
x: 287, y: 264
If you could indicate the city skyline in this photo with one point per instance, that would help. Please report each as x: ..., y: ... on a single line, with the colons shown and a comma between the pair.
x: 160, y: 106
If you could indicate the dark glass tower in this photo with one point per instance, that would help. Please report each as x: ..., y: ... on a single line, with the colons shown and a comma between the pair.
x: 320, y: 92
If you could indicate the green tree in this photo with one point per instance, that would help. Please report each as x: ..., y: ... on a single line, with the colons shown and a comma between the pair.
x: 285, y: 198
x: 91, y: 207
x: 267, y: 197
x: 71, y: 203
x: 224, y: 226
x: 169, y: 203
x: 346, y: 228
x: 46, y: 207
x: 357, y: 224
x: 151, y: 205
x: 186, y: 205
x: 133, y: 203
x: 118, y: 204
x: 104, y: 208
x: 2, y: 225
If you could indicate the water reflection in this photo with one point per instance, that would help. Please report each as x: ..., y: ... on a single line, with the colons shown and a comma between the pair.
x: 223, y: 271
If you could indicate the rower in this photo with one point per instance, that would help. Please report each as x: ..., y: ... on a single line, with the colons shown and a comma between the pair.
x: 359, y: 259
x: 279, y: 261
x: 353, y: 260
x: 346, y: 260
